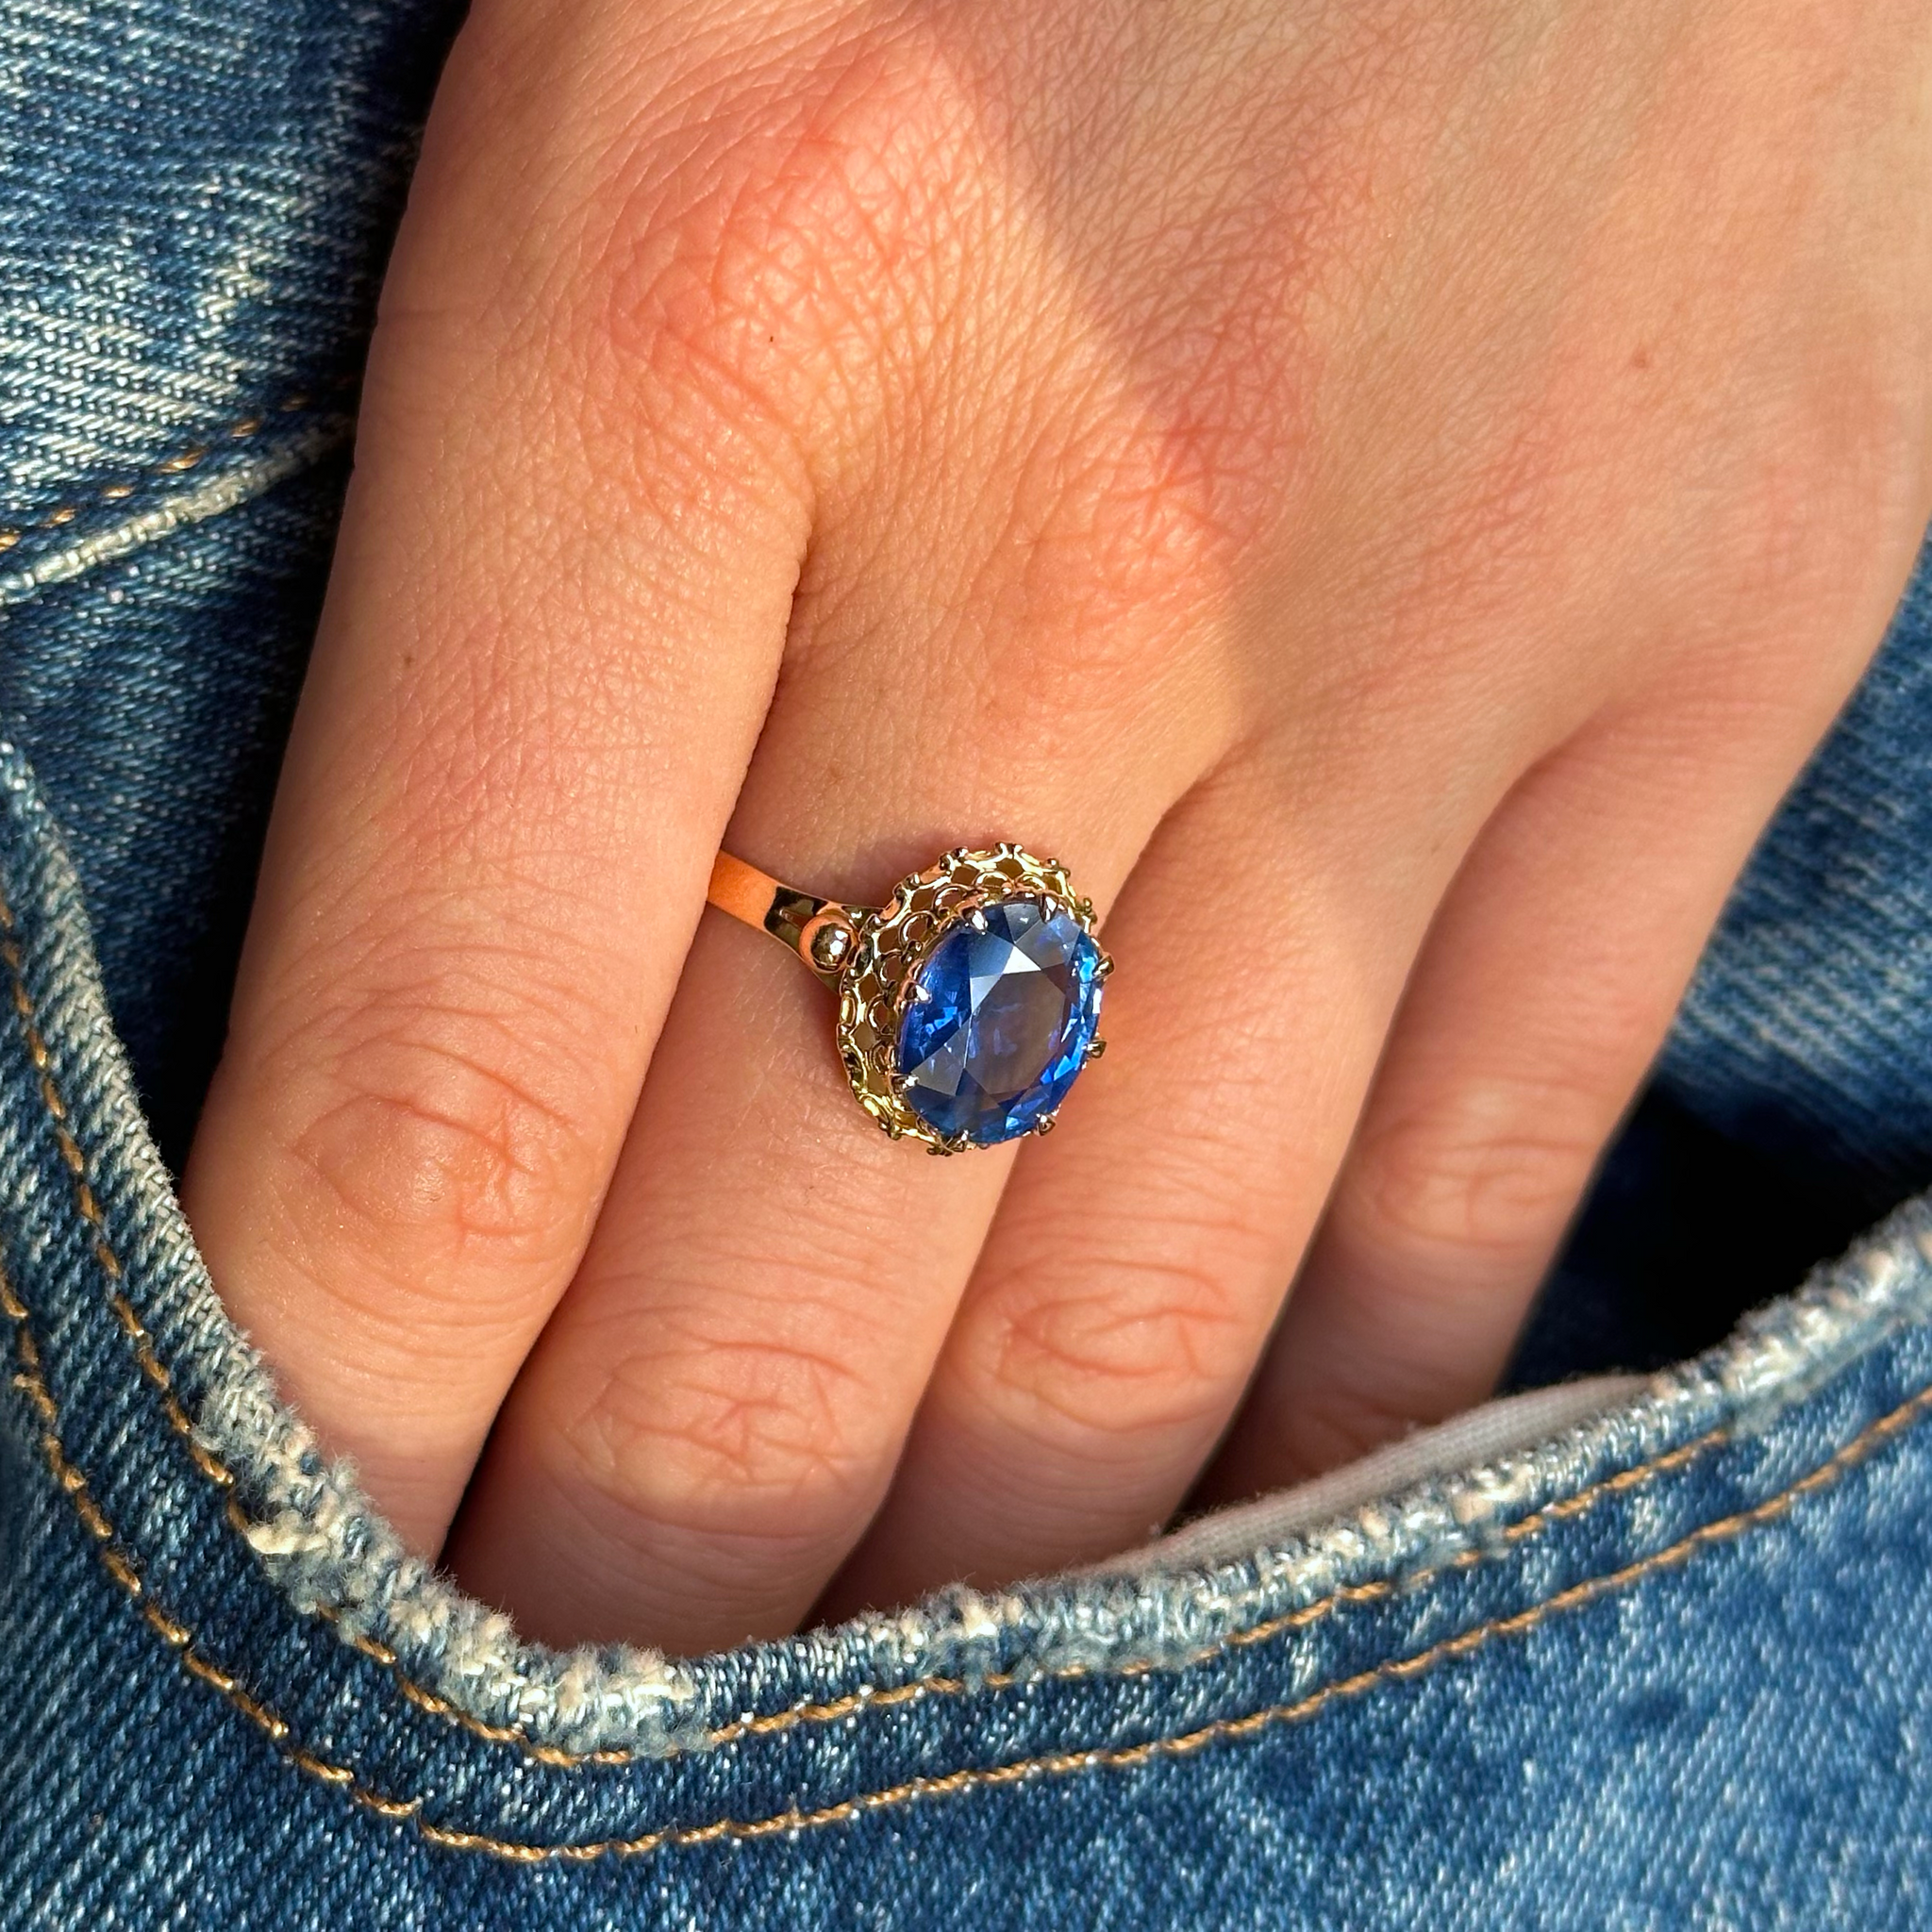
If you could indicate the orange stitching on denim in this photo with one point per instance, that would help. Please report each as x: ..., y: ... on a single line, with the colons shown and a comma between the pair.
x: 75, y: 1160
x: 119, y: 1560
x: 1020, y: 1770
x: 794, y: 1716
x: 179, y: 464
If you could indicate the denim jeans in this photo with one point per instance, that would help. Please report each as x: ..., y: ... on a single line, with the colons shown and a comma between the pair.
x: 1644, y: 1643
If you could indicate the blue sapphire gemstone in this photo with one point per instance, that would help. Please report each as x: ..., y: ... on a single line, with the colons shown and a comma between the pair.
x: 999, y: 1020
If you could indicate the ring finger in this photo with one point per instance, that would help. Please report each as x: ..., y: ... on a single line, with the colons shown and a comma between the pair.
x: 715, y: 1411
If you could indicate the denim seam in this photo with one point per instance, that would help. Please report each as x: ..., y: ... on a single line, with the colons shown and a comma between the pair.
x: 121, y: 1566
x: 226, y: 488
x: 852, y: 1704
x: 796, y: 1716
x: 156, y: 474
x: 75, y: 1160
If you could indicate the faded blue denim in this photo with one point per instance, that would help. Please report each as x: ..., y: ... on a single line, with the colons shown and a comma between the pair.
x: 1645, y: 1651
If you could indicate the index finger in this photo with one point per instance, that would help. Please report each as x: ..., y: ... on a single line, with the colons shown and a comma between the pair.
x: 561, y: 597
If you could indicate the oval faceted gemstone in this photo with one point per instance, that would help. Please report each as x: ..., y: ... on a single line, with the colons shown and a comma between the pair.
x: 999, y: 1020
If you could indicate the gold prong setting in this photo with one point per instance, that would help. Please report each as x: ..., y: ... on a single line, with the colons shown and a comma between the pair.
x: 880, y: 974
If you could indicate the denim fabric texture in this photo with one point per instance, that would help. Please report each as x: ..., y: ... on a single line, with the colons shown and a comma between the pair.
x: 1652, y: 1654
x: 195, y: 202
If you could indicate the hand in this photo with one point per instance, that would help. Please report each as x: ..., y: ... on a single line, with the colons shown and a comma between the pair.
x: 1388, y: 494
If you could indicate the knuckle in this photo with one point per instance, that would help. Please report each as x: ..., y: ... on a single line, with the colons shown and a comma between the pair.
x: 795, y: 223
x: 1157, y: 1351
x: 1807, y: 532
x: 1489, y: 1167
x: 435, y: 1136
x: 1110, y: 560
x: 736, y: 1435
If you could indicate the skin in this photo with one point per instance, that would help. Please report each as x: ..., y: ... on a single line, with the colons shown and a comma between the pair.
x: 1390, y: 493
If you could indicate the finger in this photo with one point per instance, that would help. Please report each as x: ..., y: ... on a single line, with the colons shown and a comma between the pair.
x: 1139, y: 1256
x: 1546, y: 985
x: 559, y: 601
x: 711, y: 1417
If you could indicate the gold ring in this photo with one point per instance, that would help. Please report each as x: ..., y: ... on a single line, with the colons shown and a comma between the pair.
x: 968, y: 1002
